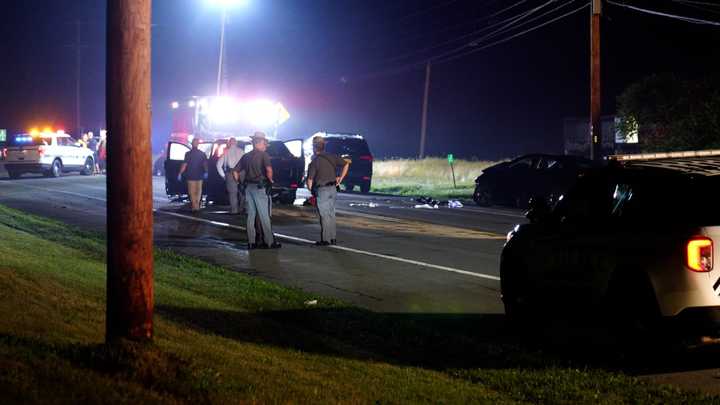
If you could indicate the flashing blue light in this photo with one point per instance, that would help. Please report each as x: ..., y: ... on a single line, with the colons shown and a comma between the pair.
x: 23, y: 139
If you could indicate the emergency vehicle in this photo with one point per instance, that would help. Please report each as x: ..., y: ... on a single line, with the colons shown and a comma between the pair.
x: 49, y: 153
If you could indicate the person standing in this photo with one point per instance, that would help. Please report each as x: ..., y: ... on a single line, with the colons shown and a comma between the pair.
x: 225, y: 166
x: 93, y: 146
x: 258, y: 173
x: 323, y: 181
x: 102, y: 151
x: 195, y: 169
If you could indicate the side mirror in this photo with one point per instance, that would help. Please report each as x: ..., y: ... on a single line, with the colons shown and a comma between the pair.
x: 538, y: 210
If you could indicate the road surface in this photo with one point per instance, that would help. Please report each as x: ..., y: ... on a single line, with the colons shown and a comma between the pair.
x: 392, y: 257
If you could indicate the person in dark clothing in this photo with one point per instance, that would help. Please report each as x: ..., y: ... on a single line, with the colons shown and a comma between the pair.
x: 323, y: 181
x: 195, y: 168
x: 258, y: 174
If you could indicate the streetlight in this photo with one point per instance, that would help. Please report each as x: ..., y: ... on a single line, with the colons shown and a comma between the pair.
x: 225, y: 4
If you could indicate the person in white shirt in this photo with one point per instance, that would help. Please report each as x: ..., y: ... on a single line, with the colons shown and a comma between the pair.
x: 225, y: 166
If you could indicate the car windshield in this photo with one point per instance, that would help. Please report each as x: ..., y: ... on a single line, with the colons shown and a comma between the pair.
x: 347, y: 147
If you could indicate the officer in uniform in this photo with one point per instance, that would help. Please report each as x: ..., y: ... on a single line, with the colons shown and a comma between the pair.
x: 195, y: 169
x: 225, y: 166
x: 258, y: 183
x: 323, y: 181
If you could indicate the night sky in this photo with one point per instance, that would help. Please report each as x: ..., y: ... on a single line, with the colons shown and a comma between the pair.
x: 335, y: 65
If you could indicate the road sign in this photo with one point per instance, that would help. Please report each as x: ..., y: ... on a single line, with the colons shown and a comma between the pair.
x: 451, y: 158
x: 3, y: 135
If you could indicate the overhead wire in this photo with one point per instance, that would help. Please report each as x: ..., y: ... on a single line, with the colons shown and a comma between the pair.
x: 696, y: 7
x: 668, y: 15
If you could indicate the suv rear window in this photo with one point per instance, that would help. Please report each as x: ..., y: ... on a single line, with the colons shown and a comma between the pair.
x: 353, y: 147
x: 278, y: 150
x: 27, y: 140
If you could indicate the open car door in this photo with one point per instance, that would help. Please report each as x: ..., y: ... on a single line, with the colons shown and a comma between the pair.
x: 173, y: 160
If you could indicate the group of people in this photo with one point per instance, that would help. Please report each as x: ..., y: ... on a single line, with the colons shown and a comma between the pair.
x: 249, y: 179
x: 99, y: 147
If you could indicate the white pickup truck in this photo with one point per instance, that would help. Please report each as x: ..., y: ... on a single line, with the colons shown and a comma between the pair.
x: 50, y: 154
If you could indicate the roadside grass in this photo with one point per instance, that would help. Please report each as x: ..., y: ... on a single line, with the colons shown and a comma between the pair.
x: 427, y: 177
x: 226, y: 337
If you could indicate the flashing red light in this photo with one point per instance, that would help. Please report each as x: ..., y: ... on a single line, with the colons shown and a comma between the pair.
x: 366, y: 157
x: 700, y: 254
x: 293, y: 185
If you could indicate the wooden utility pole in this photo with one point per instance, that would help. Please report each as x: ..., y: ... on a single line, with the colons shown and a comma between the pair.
x: 129, y: 181
x: 423, y: 124
x: 595, y: 95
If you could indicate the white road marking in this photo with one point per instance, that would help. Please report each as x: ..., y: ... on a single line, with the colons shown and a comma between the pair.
x: 296, y: 239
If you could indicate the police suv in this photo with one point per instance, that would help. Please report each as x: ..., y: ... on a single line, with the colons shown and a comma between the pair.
x: 635, y: 239
x: 49, y: 153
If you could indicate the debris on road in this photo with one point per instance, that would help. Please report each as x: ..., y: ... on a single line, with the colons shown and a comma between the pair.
x: 369, y: 205
x: 311, y: 302
x: 427, y: 206
x: 455, y: 204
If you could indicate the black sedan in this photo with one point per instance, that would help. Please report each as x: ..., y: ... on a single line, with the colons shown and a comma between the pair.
x: 513, y: 183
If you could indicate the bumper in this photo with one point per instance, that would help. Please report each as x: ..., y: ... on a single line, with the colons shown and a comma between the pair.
x: 27, y: 167
x: 698, y: 319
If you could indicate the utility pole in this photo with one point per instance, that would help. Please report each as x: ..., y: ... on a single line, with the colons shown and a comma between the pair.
x: 78, y: 126
x: 129, y: 183
x: 222, y: 51
x: 423, y: 124
x: 595, y: 95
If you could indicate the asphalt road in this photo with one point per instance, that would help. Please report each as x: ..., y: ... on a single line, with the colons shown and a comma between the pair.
x: 392, y: 257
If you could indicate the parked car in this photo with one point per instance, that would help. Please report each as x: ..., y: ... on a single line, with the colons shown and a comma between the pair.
x: 48, y: 153
x: 351, y: 146
x: 635, y: 240
x: 515, y: 182
x: 288, y: 169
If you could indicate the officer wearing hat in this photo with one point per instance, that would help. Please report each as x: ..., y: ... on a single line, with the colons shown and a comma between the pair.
x: 323, y: 181
x: 258, y: 183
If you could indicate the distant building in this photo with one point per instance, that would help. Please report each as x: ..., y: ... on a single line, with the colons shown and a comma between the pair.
x: 576, y: 137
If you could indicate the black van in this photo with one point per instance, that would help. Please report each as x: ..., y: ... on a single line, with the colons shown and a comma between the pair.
x: 288, y: 169
x: 354, y: 147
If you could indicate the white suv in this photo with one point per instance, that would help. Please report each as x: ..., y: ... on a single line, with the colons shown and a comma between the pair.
x: 48, y: 153
x: 637, y: 238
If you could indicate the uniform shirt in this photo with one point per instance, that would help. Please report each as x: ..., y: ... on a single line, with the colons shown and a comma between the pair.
x: 254, y: 164
x: 195, y: 160
x: 323, y: 168
x: 229, y: 160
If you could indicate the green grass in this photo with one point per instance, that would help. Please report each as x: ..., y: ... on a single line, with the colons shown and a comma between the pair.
x: 225, y: 337
x: 427, y: 177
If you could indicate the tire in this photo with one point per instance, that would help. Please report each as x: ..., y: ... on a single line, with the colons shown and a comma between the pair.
x: 365, y: 188
x: 511, y: 288
x: 288, y: 198
x: 55, y: 169
x: 88, y: 167
x: 633, y: 308
x: 482, y: 197
x: 14, y: 175
x: 349, y: 187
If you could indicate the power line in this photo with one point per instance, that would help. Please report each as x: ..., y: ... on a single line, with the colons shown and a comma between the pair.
x: 696, y: 7
x: 699, y: 3
x: 661, y: 14
x: 451, y: 58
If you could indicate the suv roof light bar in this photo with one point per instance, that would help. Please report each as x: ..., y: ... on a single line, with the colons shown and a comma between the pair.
x: 665, y: 155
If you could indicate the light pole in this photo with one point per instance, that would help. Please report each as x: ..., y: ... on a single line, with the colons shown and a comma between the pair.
x: 225, y: 5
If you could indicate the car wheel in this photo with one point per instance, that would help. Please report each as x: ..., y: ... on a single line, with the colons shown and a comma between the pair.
x: 288, y: 198
x: 88, y: 167
x: 365, y: 188
x: 55, y: 169
x: 349, y: 187
x: 482, y: 197
x: 633, y: 308
x: 14, y: 175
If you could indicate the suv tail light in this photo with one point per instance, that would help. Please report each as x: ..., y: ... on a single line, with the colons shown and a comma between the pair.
x: 699, y: 254
x: 41, y: 150
x: 366, y: 157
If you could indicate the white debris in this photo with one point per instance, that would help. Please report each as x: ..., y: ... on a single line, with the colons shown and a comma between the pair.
x: 455, y: 204
x: 311, y: 302
x: 427, y: 206
x: 368, y: 205
x: 299, y: 202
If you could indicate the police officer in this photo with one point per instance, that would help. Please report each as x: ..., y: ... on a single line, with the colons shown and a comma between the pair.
x: 195, y: 169
x: 258, y: 183
x: 323, y: 181
x: 225, y: 166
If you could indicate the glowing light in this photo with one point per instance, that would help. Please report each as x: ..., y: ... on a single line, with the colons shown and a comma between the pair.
x: 191, y: 103
x: 228, y: 3
x: 34, y: 132
x: 47, y: 130
x: 699, y: 254
x: 61, y: 132
x: 175, y: 105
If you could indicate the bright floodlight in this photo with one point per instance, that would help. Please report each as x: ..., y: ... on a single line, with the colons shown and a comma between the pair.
x: 228, y: 3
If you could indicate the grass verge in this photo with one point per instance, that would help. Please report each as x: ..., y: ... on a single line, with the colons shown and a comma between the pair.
x: 427, y: 177
x: 226, y: 337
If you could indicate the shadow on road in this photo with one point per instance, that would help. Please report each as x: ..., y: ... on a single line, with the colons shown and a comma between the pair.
x: 443, y: 341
